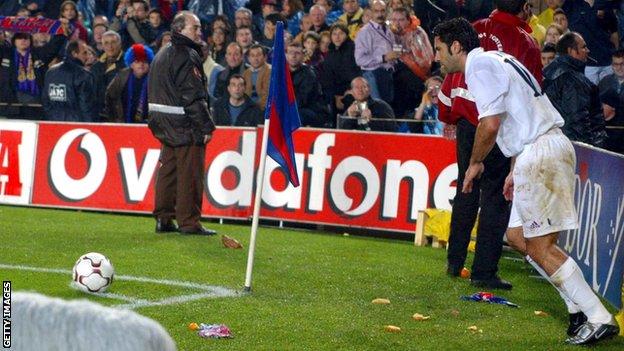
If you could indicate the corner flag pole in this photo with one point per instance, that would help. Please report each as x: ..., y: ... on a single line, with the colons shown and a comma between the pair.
x: 257, y: 205
x: 281, y: 119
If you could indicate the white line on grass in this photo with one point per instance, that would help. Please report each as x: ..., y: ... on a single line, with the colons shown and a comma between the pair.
x: 209, y: 291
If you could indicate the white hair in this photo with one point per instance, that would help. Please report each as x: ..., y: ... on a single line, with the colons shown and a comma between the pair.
x: 43, y: 323
x: 112, y: 33
x: 246, y: 11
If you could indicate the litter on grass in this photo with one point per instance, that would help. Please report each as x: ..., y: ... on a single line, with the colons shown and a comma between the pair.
x: 380, y: 301
x: 420, y: 317
x: 213, y: 331
x: 488, y: 297
x: 392, y: 329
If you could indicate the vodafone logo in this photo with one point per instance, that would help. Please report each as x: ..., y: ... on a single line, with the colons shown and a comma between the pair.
x: 93, y: 147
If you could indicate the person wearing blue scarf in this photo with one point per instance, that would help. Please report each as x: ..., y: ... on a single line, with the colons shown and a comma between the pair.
x: 126, y: 96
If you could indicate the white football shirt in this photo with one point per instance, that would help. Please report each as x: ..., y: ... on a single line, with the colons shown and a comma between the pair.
x: 500, y: 84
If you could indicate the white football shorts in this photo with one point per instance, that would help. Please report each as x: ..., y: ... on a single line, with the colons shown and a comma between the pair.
x: 544, y: 179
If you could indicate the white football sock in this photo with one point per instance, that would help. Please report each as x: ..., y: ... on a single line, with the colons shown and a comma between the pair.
x: 569, y: 279
x: 572, y: 307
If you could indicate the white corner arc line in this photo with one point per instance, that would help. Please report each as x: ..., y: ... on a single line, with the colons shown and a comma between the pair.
x: 209, y: 291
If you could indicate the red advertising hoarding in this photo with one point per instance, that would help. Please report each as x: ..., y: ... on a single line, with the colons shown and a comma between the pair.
x: 348, y: 178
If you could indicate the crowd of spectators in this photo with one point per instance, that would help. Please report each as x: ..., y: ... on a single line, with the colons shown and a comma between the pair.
x: 352, y: 61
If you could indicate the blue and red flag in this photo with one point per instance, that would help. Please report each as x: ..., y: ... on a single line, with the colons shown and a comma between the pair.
x: 281, y: 111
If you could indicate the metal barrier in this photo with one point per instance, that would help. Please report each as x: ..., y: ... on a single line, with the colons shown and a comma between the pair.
x: 401, y: 125
x: 21, y: 110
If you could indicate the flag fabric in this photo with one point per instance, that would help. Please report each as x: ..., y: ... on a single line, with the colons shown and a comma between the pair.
x: 30, y: 25
x: 281, y: 111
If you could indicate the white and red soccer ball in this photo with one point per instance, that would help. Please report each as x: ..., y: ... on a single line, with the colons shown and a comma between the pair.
x: 93, y: 273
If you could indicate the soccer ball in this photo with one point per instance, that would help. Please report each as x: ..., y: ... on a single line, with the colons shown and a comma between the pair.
x: 93, y: 272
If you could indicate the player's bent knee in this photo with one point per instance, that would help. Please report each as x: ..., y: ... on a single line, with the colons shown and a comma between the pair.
x: 516, y: 240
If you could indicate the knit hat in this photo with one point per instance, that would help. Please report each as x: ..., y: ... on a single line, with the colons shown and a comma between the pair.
x: 138, y: 52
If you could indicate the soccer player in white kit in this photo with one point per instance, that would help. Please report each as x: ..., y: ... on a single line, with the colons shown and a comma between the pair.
x: 515, y: 114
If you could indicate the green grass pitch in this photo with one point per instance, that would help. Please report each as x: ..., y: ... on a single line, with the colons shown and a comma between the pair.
x: 311, y: 290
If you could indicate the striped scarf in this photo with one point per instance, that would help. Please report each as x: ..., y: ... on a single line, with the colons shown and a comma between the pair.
x: 140, y: 110
x: 26, y: 79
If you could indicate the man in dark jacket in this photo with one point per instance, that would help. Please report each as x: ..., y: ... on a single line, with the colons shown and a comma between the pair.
x: 235, y: 65
x: 108, y: 65
x: 583, y: 18
x: 310, y: 101
x: 69, y: 89
x: 573, y: 94
x: 180, y: 119
x: 237, y: 109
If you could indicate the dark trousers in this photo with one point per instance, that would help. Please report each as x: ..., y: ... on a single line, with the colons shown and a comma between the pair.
x: 180, y: 185
x: 487, y: 193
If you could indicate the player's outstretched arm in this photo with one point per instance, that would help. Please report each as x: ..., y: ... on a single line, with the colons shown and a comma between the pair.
x: 483, y: 144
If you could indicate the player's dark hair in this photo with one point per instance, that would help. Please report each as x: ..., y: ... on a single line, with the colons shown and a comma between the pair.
x: 457, y: 29
x: 567, y: 41
x: 510, y: 6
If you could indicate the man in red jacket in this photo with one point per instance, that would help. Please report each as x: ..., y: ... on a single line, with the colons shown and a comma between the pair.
x: 505, y: 30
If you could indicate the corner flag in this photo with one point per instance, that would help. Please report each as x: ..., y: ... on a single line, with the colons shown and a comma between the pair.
x: 281, y: 110
x: 281, y: 120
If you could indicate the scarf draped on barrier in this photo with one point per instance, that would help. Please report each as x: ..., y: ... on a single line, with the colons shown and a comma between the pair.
x: 31, y: 25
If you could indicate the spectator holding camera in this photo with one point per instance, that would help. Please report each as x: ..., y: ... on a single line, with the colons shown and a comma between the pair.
x: 427, y: 111
x: 365, y: 108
